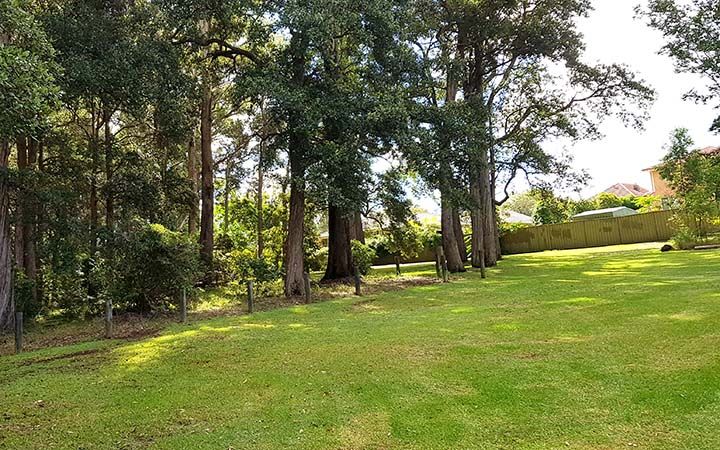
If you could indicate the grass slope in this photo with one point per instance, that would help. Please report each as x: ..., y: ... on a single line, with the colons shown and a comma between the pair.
x: 605, y: 348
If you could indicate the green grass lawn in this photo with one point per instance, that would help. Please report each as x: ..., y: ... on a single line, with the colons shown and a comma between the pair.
x: 606, y: 348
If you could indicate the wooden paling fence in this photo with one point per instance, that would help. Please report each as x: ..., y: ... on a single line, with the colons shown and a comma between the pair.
x: 649, y: 227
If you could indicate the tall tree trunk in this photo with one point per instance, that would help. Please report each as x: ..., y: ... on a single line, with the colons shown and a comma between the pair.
x: 207, y: 230
x: 109, y: 194
x: 488, y: 212
x: 449, y: 240
x: 340, y: 265
x: 478, y: 224
x: 297, y: 148
x: 226, y: 198
x: 193, y: 179
x: 260, y: 203
x: 459, y: 235
x: 6, y: 306
x: 357, y: 232
x: 294, y: 254
x: 29, y: 221
x: 22, y: 163
x: 93, y: 200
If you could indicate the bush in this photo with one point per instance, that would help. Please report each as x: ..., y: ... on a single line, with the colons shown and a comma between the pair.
x: 150, y: 268
x: 685, y: 239
x: 363, y: 256
x: 243, y: 265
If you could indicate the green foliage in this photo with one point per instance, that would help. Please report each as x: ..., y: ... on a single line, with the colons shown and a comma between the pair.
x: 152, y: 266
x: 27, y: 71
x: 695, y: 178
x: 691, y: 40
x: 363, y: 256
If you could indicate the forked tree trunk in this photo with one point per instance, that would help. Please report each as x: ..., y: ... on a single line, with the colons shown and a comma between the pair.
x: 6, y: 306
x: 459, y: 235
x: 449, y: 240
x: 207, y: 226
x: 193, y: 179
x: 340, y: 265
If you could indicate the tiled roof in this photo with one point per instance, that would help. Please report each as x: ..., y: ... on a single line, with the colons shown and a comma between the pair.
x: 625, y: 189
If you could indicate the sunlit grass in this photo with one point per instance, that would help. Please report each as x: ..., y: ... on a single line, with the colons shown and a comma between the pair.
x: 596, y: 349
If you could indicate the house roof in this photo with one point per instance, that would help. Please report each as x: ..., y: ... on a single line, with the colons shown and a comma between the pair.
x: 598, y: 212
x: 625, y: 189
x: 709, y: 151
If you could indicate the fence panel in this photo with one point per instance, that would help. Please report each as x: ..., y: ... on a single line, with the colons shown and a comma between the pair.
x: 650, y: 227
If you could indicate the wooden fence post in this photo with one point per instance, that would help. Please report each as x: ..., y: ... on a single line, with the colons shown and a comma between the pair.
x: 250, y: 297
x: 308, y: 288
x: 18, y: 332
x: 358, y: 282
x: 108, y: 319
x: 183, y: 306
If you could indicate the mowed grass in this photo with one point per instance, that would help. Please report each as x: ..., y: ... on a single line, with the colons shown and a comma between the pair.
x: 594, y: 349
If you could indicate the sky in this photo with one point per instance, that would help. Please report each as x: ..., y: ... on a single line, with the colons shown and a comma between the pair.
x: 613, y: 35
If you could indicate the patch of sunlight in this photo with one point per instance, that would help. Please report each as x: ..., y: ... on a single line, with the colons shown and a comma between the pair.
x: 257, y: 326
x: 566, y: 281
x: 463, y: 310
x: 299, y: 326
x: 300, y: 310
x: 135, y: 356
x: 506, y: 326
x: 570, y: 338
x: 368, y: 430
x: 575, y: 301
x: 682, y: 317
x: 610, y: 273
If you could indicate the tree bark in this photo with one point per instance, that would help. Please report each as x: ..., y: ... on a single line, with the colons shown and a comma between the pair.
x: 29, y: 221
x: 22, y: 162
x: 93, y: 200
x: 459, y: 235
x: 357, y: 232
x: 109, y: 194
x: 193, y: 179
x: 260, y: 204
x: 6, y: 306
x: 294, y: 254
x: 207, y: 226
x: 449, y: 240
x: 488, y: 212
x: 340, y: 264
x: 478, y: 224
x: 297, y: 148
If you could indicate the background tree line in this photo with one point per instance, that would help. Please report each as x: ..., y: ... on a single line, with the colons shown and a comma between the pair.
x: 150, y: 145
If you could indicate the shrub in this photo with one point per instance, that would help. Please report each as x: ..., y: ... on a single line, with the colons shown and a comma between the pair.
x: 685, y: 239
x: 363, y: 256
x: 150, y: 268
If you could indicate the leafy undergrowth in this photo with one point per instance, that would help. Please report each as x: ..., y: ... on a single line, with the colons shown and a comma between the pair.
x: 605, y: 348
